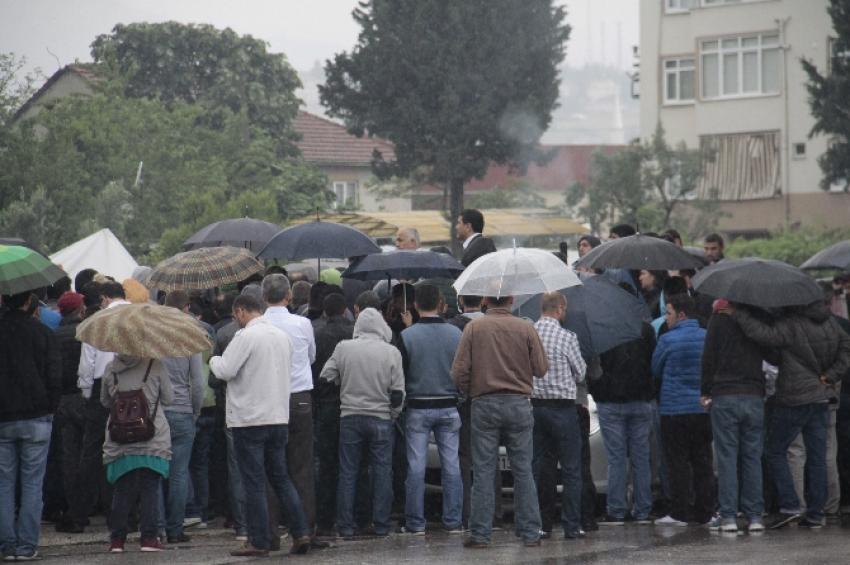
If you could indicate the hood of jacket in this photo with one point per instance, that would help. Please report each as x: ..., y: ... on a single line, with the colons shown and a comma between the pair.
x: 123, y: 362
x: 370, y: 324
x: 817, y: 312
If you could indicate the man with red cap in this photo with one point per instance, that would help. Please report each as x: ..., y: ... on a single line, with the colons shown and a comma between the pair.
x: 71, y: 411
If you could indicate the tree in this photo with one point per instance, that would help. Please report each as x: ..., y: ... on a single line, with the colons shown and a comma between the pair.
x: 454, y: 85
x: 199, y: 64
x: 646, y: 184
x: 15, y: 87
x: 829, y: 99
x: 517, y: 194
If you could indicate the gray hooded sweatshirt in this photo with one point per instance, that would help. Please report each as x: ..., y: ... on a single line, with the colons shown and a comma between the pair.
x: 368, y: 369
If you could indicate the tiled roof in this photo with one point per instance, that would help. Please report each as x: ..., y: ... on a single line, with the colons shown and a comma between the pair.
x: 86, y: 71
x: 324, y: 142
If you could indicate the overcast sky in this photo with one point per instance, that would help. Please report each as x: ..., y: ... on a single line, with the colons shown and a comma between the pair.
x: 307, y: 31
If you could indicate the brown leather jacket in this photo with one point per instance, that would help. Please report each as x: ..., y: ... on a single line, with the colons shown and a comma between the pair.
x: 498, y: 353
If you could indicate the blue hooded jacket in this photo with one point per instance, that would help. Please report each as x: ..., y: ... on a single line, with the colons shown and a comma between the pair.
x: 677, y: 361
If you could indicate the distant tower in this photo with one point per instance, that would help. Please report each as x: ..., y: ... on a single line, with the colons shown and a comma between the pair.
x: 619, y: 45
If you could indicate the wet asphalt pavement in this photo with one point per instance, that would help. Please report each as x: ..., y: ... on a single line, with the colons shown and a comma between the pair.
x: 631, y: 544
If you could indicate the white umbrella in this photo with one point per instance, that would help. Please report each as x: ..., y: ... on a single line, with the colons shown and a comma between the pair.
x: 515, y: 271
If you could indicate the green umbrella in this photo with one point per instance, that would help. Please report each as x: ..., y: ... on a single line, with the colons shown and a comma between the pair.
x: 23, y: 269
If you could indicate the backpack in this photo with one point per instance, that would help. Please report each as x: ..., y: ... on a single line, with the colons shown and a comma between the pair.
x: 130, y: 419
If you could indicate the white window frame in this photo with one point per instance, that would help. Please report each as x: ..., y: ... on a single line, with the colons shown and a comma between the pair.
x: 719, y: 51
x: 680, y: 61
x: 349, y: 193
x: 678, y: 6
x: 721, y: 3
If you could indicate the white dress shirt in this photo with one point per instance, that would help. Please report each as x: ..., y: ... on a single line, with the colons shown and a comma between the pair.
x: 469, y: 239
x: 93, y: 362
x: 256, y: 368
x: 300, y: 332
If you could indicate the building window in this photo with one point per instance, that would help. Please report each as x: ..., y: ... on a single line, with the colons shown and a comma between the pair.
x: 712, y: 3
x: 740, y: 166
x: 346, y: 194
x: 740, y: 66
x: 678, y: 6
x: 679, y: 79
x: 799, y: 151
x: 836, y: 57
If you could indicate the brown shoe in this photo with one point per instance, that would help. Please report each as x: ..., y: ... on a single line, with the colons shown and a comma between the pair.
x: 301, y: 545
x: 475, y: 544
x: 249, y: 550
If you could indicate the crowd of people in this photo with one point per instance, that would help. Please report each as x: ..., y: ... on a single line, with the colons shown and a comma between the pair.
x: 315, y: 406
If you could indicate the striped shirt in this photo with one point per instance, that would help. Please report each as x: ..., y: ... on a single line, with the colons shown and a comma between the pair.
x: 566, y: 366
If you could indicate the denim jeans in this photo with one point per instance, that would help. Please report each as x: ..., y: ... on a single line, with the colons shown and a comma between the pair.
x: 235, y: 489
x: 788, y: 421
x: 558, y: 427
x: 737, y: 423
x: 141, y: 484
x: 626, y: 430
x: 197, y: 504
x: 182, y: 438
x: 445, y: 423
x: 23, y: 455
x: 261, y: 451
x: 509, y: 417
x: 376, y: 435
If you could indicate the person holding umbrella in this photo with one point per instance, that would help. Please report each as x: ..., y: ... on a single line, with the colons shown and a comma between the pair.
x: 814, y: 355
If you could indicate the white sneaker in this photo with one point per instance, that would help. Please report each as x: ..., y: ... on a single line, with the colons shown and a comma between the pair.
x: 189, y: 522
x: 670, y: 521
x: 728, y: 525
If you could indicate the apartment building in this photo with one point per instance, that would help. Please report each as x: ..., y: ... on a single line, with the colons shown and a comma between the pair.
x: 726, y: 75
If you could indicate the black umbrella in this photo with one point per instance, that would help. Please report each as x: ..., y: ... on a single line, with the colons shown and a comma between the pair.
x: 639, y: 252
x: 238, y: 232
x: 758, y: 282
x: 836, y: 256
x: 404, y: 265
x: 318, y: 240
x: 697, y: 252
x: 601, y: 314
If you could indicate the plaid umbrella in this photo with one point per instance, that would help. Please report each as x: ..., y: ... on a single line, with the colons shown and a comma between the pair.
x: 207, y: 267
x: 23, y: 269
x: 144, y: 330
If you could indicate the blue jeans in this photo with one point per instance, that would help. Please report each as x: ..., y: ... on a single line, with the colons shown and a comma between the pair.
x: 558, y: 427
x: 376, y: 435
x: 445, y: 423
x: 182, y: 438
x: 626, y: 429
x: 509, y: 417
x: 788, y: 421
x: 261, y: 450
x: 737, y: 424
x: 23, y: 454
x: 199, y: 468
x: 235, y: 490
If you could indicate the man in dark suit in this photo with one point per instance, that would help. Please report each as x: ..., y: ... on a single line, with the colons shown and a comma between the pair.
x: 468, y: 229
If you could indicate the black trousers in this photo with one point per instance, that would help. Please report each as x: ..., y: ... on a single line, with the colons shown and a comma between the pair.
x: 299, y: 453
x: 72, y: 417
x: 141, y: 484
x: 687, y: 450
x: 90, y: 458
x: 588, y: 487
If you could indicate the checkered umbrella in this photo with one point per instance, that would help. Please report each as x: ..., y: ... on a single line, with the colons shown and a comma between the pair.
x: 144, y: 330
x: 207, y: 267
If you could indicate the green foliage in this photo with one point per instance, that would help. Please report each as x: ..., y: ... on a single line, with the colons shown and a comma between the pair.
x: 82, y: 158
x: 829, y: 99
x: 15, y: 88
x: 646, y: 184
x: 198, y: 64
x: 791, y: 246
x: 454, y: 85
x: 518, y: 194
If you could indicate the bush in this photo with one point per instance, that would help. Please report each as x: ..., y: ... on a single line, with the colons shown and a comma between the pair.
x: 791, y: 246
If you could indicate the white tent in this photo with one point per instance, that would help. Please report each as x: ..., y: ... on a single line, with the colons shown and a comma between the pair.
x: 100, y: 251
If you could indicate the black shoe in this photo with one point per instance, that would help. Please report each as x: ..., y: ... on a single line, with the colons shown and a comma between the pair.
x: 66, y: 527
x: 545, y: 534
x: 810, y: 524
x: 783, y: 520
x: 590, y: 526
x: 316, y: 543
x: 475, y: 544
x: 578, y: 534
x: 611, y: 521
x: 182, y: 538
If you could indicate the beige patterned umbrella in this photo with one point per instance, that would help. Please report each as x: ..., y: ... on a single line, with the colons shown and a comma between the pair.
x: 144, y: 330
x: 207, y: 267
